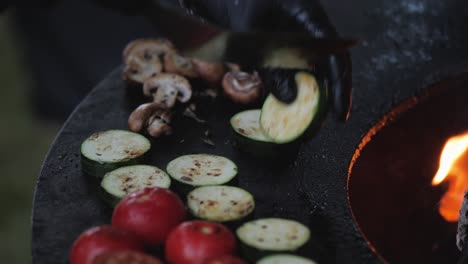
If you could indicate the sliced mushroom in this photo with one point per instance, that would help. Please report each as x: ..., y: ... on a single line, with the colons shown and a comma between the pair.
x: 166, y: 88
x: 158, y: 123
x: 242, y: 87
x: 142, y: 58
x: 157, y: 46
x: 174, y: 63
x: 139, y: 117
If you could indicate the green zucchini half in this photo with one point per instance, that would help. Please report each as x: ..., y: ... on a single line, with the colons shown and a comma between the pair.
x: 268, y: 236
x: 284, y: 123
x: 106, y: 151
x: 220, y: 203
x: 285, y: 259
x: 125, y: 180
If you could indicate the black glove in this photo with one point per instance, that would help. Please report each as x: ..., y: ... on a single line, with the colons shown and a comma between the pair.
x: 274, y: 17
x: 280, y: 16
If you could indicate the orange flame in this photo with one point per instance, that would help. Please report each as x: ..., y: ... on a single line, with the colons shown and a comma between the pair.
x: 453, y: 167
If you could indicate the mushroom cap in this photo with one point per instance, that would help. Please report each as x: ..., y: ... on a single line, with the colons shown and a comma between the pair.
x: 242, y: 87
x: 166, y: 87
x: 158, y: 123
x: 139, y: 117
x: 136, y: 71
x: 142, y: 58
x: 209, y: 71
x: 159, y: 46
x: 174, y: 63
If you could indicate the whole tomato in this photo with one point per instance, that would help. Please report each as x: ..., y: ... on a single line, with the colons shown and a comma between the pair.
x: 101, y: 239
x: 195, y: 242
x: 150, y: 214
x: 226, y: 259
x: 125, y: 257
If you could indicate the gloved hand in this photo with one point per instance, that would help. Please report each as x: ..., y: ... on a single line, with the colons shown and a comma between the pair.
x: 279, y: 16
x: 273, y: 17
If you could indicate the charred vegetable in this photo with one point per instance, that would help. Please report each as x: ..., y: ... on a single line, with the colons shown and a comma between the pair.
x: 200, y: 170
x: 247, y: 124
x: 271, y: 235
x: 220, y: 203
x: 106, y: 151
x: 125, y: 180
x: 250, y: 138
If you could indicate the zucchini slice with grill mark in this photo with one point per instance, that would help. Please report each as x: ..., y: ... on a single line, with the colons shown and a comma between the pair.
x: 220, y: 203
x: 271, y: 236
x: 283, y: 123
x: 106, y: 151
x: 125, y: 180
x: 202, y: 169
x: 285, y: 259
x: 247, y: 124
x: 250, y: 138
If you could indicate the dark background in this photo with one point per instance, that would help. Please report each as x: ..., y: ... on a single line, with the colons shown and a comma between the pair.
x: 24, y: 141
x: 49, y: 59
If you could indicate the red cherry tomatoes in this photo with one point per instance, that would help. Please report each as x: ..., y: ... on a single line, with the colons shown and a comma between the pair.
x: 150, y: 214
x: 226, y: 259
x: 101, y: 239
x: 196, y: 242
x: 125, y: 257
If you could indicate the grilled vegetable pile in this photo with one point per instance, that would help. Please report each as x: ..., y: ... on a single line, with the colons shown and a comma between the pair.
x: 193, y: 211
x: 148, y: 215
x: 294, y: 100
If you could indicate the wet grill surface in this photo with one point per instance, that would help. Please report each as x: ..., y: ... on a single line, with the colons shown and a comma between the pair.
x: 406, y: 45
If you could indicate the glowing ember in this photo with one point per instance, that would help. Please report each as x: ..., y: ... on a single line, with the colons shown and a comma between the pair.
x: 453, y: 167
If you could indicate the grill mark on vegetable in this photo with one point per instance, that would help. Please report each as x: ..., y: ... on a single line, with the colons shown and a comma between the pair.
x: 185, y: 178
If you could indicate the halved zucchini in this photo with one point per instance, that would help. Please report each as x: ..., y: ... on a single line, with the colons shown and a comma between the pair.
x: 249, y: 137
x: 200, y: 170
x: 270, y: 236
x: 285, y: 259
x: 106, y: 151
x: 247, y: 124
x: 125, y: 180
x: 220, y: 203
x: 283, y: 123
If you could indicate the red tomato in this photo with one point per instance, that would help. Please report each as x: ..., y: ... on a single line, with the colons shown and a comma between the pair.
x: 226, y: 259
x: 195, y: 242
x: 125, y: 257
x: 101, y: 239
x: 150, y: 214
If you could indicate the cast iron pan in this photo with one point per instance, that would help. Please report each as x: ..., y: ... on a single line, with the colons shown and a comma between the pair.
x: 406, y: 46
